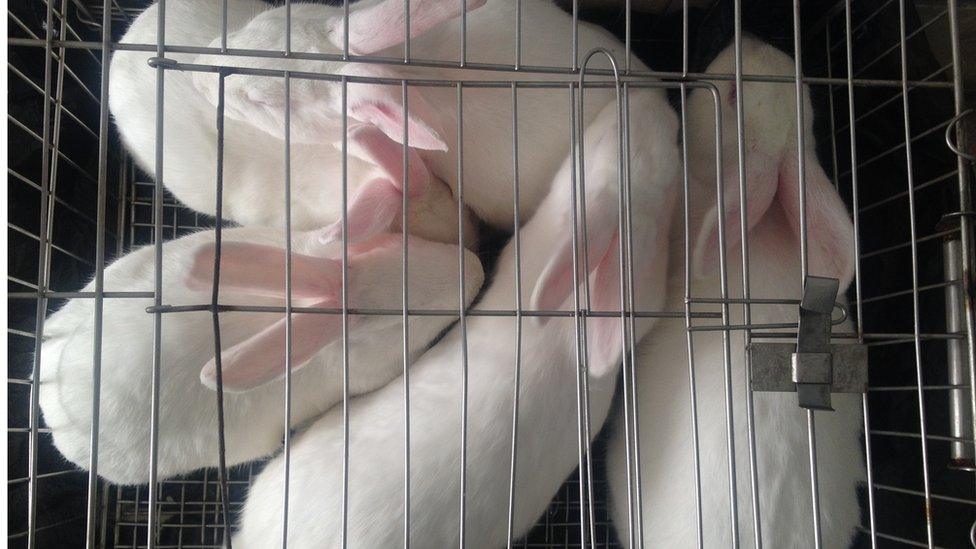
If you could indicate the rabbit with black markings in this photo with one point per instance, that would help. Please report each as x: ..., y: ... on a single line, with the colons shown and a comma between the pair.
x: 252, y: 273
x: 547, y: 425
x: 254, y: 162
x: 431, y: 119
x: 772, y: 196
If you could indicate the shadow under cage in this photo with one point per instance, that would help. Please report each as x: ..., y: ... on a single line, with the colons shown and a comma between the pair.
x: 70, y: 210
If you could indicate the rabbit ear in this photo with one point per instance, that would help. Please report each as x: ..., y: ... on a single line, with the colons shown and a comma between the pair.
x: 371, y: 211
x: 372, y: 144
x: 260, y: 270
x: 829, y: 230
x: 382, y: 25
x: 381, y: 105
x: 261, y: 358
x: 555, y: 284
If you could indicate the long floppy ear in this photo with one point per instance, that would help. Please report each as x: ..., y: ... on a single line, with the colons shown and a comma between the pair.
x: 259, y: 270
x: 382, y: 25
x: 830, y: 234
x: 261, y: 358
x: 555, y: 285
x: 381, y: 105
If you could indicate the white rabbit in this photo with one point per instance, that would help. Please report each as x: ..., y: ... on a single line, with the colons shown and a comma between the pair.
x: 667, y: 465
x: 254, y: 162
x: 432, y: 121
x: 252, y: 273
x: 548, y: 435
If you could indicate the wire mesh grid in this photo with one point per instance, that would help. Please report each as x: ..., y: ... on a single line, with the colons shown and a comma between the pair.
x: 913, y: 498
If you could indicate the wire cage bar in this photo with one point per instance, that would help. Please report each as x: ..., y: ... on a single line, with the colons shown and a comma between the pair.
x: 888, y: 113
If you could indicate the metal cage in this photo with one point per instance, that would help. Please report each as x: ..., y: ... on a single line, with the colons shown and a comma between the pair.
x: 887, y: 79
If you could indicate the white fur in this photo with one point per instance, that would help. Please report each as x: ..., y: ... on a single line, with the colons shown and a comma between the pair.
x: 543, y: 114
x: 254, y: 162
x: 187, y: 410
x: 667, y: 465
x: 547, y: 438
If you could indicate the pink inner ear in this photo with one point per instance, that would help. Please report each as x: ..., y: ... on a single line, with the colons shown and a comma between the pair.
x: 372, y: 143
x: 382, y: 25
x: 370, y: 212
x: 830, y: 233
x: 261, y: 358
x: 260, y: 270
x: 603, y: 333
x: 388, y: 117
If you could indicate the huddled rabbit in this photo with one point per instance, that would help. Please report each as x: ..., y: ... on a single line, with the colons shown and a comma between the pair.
x: 540, y: 265
x: 773, y: 232
x: 252, y: 273
x: 432, y: 118
x: 254, y: 162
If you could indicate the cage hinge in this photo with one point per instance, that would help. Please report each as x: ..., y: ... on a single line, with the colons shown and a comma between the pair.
x: 812, y: 367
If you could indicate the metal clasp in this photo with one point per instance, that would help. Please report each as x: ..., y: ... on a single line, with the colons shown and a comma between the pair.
x: 813, y: 368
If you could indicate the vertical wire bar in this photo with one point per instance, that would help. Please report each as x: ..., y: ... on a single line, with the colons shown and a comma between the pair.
x: 43, y: 275
x: 517, y: 237
x: 916, y: 317
x: 575, y: 38
x: 586, y: 474
x: 518, y: 34
x: 580, y: 325
x: 848, y: 25
x: 632, y: 438
x: 965, y: 205
x: 345, y: 33
x: 464, y: 45
x: 214, y: 302
x: 91, y: 518
x: 746, y: 280
x: 120, y: 209
x: 629, y: 392
x: 288, y: 312
x: 726, y: 335
x: 287, y: 27
x: 345, y: 314
x: 804, y: 264
x: 689, y: 336
x: 462, y: 308
x: 406, y: 34
x: 406, y: 324
x: 223, y: 27
x: 830, y: 107
x: 157, y: 201
x: 627, y: 38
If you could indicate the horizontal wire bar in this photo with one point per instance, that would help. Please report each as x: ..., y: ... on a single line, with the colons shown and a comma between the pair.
x: 78, y: 295
x: 899, y: 539
x: 882, y: 389
x: 27, y: 233
x: 45, y: 475
x: 906, y: 434
x: 953, y: 499
x: 60, y: 201
x: 897, y: 46
x: 421, y: 312
x: 908, y: 243
x: 33, y: 85
x: 72, y: 163
x: 901, y: 145
x: 938, y: 285
x: 467, y: 66
x: 913, y: 85
x: 21, y: 333
x: 45, y: 527
x: 904, y: 194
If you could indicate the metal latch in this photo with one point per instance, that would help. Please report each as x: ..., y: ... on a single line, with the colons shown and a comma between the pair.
x: 812, y: 367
